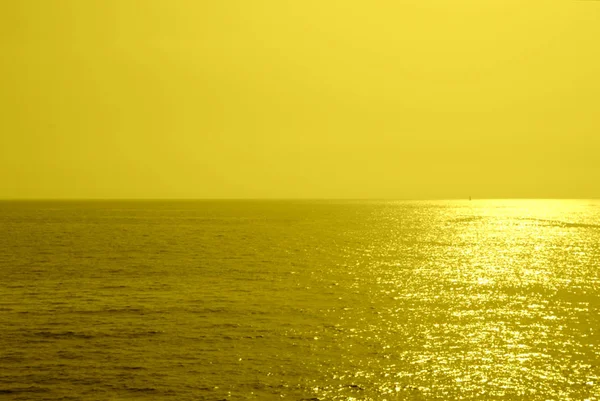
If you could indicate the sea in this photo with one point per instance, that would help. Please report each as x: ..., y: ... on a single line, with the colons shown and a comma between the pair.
x: 300, y: 300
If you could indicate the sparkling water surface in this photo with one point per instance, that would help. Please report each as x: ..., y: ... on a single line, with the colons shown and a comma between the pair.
x: 300, y: 300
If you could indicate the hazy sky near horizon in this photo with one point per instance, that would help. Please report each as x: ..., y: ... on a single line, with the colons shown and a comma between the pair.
x: 299, y: 99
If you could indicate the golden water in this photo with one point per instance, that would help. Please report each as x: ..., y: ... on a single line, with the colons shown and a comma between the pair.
x: 300, y: 300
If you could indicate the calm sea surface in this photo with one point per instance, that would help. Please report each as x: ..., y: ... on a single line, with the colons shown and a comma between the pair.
x: 270, y: 300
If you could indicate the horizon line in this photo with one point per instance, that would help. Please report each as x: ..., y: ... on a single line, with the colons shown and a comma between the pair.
x: 75, y: 199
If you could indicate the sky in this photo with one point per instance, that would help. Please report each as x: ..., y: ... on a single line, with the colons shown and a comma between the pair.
x: 411, y: 99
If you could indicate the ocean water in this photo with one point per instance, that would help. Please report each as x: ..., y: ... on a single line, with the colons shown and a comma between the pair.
x: 300, y: 300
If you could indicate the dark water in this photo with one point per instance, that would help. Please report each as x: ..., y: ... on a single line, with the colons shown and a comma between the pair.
x: 300, y: 300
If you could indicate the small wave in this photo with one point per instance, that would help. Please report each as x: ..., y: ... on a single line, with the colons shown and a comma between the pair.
x: 468, y: 219
x: 20, y: 390
x: 144, y: 333
x: 14, y: 286
x: 62, y: 335
x: 141, y: 389
x: 68, y: 355
x: 559, y: 223
x: 435, y: 243
x: 124, y: 310
x: 13, y: 357
x: 110, y: 311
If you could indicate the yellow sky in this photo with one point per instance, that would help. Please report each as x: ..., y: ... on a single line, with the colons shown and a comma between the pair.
x: 299, y: 99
